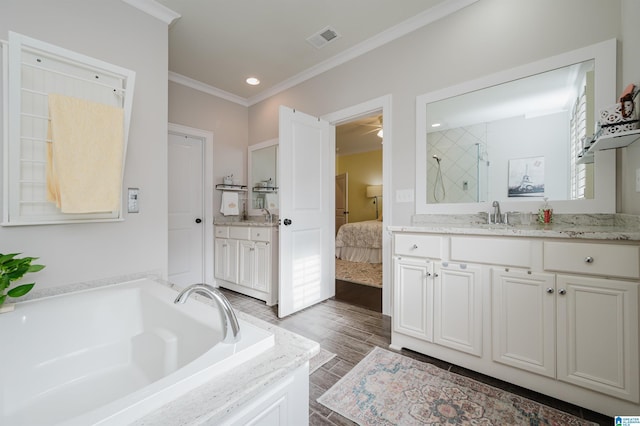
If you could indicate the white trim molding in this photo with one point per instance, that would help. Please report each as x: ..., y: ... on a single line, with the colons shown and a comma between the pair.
x: 155, y: 9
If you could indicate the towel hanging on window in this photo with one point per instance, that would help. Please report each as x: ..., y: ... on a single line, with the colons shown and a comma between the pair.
x: 84, y: 158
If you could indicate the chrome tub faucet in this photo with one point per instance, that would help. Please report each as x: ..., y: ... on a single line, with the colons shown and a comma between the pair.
x: 231, y: 326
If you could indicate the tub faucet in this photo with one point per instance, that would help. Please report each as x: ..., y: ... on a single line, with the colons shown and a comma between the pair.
x: 231, y: 326
x: 497, y: 216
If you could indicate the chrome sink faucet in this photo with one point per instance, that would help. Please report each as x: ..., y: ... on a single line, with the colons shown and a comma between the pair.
x: 231, y: 326
x: 268, y: 216
x: 497, y: 215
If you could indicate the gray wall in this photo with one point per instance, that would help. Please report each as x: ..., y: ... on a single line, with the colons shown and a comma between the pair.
x: 117, y: 33
x: 484, y: 38
x: 227, y: 120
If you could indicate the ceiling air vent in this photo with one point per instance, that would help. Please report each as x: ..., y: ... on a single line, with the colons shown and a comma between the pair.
x: 322, y: 37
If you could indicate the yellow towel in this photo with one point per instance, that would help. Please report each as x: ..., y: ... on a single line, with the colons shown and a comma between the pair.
x: 84, y: 159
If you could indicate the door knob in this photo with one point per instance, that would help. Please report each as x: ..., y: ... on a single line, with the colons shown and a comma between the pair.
x: 287, y: 222
x: 198, y: 220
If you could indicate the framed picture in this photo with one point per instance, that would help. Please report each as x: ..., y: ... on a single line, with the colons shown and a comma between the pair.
x: 526, y: 177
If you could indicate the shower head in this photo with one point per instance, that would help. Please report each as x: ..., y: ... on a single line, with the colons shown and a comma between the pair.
x: 438, y: 159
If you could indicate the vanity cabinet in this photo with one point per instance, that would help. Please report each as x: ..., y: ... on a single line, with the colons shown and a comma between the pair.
x: 523, y: 320
x: 458, y: 307
x: 413, y: 297
x: 557, y: 316
x: 246, y: 260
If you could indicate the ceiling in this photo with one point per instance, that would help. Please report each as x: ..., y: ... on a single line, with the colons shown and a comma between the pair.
x: 219, y: 43
x: 360, y: 135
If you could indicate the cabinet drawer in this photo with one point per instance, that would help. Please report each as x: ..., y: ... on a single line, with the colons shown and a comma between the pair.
x: 261, y: 234
x: 418, y: 245
x: 222, y: 232
x: 497, y: 251
x: 614, y: 260
x: 240, y: 232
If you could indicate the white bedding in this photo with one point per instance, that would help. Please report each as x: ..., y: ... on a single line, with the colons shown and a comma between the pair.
x: 360, y: 242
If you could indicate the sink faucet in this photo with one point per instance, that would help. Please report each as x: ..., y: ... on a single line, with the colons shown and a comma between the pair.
x: 231, y: 326
x: 497, y: 216
x: 268, y: 215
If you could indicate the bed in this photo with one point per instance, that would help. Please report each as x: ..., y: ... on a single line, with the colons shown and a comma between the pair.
x: 360, y: 242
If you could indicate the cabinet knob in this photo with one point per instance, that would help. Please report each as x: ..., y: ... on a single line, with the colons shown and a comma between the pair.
x: 415, y: 246
x: 550, y: 290
x: 588, y: 259
x: 562, y: 291
x: 435, y: 275
x: 428, y: 274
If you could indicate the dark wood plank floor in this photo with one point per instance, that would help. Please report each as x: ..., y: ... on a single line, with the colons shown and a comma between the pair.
x: 351, y: 332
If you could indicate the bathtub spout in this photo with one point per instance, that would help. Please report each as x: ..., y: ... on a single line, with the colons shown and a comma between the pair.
x: 231, y: 326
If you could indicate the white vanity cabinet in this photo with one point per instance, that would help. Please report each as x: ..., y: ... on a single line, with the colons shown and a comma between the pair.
x: 458, y: 307
x: 555, y: 315
x: 246, y: 260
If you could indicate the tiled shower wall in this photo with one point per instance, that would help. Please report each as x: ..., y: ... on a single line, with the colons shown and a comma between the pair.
x: 464, y: 159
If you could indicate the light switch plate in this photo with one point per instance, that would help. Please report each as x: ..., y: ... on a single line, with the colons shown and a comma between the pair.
x: 132, y: 200
x: 404, y: 195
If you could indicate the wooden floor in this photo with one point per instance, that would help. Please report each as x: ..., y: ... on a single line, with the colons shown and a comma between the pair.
x: 351, y: 332
x: 362, y: 295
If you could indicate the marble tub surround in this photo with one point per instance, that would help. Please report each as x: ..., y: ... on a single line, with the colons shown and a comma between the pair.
x: 582, y: 226
x: 212, y: 402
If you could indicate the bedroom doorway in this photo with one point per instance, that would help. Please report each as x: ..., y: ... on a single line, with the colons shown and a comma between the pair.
x: 359, y: 274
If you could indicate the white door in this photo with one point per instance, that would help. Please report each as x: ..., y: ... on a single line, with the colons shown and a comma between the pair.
x: 306, y: 179
x: 186, y: 211
x: 342, y: 200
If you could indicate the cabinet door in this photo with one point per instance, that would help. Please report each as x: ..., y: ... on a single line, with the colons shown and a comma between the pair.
x: 523, y: 320
x: 262, y: 266
x: 598, y: 334
x: 226, y: 259
x: 246, y: 264
x: 413, y: 297
x: 458, y: 307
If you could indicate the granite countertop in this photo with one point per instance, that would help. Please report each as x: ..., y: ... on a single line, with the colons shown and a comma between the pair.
x: 593, y: 227
x: 251, y: 221
x: 225, y: 393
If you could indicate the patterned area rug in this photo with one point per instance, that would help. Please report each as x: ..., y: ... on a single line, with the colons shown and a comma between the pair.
x: 319, y: 360
x: 386, y: 388
x: 361, y: 273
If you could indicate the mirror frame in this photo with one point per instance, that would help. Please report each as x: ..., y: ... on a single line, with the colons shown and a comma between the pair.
x: 251, y: 148
x: 604, y: 55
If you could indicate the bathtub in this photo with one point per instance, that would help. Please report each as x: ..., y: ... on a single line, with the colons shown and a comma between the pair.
x: 110, y: 355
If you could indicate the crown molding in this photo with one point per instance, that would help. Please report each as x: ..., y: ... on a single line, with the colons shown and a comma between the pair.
x: 155, y: 9
x: 418, y: 21
x: 203, y: 87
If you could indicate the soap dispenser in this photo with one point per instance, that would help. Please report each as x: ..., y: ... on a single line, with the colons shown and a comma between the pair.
x: 545, y: 214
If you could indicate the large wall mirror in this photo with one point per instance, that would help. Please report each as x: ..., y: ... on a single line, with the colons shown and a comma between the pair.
x: 262, y: 177
x: 515, y: 137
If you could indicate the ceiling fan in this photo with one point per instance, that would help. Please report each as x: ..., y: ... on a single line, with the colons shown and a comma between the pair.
x: 377, y: 126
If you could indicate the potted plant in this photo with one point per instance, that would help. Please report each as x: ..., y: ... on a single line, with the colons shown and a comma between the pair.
x: 13, y: 269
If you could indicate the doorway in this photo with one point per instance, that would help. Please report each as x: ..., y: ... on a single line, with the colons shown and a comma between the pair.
x: 372, y: 116
x: 190, y: 211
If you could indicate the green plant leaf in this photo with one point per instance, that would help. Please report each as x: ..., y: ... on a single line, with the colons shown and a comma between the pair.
x: 21, y: 290
x: 35, y: 268
x: 4, y: 282
x: 2, y: 299
x: 6, y: 257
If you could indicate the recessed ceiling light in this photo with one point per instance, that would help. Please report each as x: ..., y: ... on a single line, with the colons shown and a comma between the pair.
x: 436, y: 125
x: 253, y: 81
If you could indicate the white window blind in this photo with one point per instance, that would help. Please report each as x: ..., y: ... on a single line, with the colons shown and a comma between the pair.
x: 578, y: 132
x: 31, y: 70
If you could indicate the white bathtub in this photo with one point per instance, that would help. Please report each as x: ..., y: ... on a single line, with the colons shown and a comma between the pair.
x: 111, y: 355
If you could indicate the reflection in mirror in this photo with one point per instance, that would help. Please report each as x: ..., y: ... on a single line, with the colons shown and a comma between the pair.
x: 263, y: 175
x: 516, y: 137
